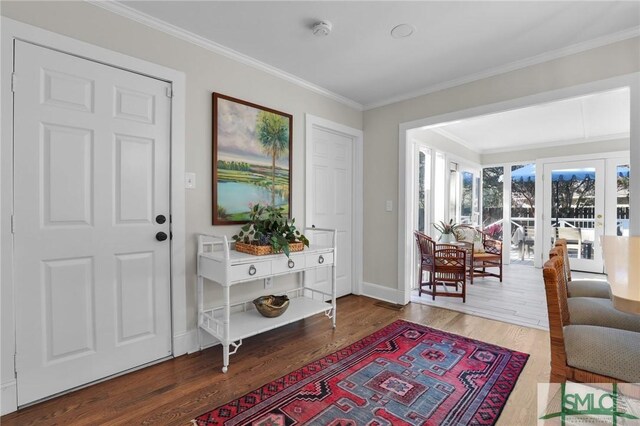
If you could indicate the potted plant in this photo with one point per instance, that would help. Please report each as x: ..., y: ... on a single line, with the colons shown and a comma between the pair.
x: 269, y: 231
x: 447, y: 230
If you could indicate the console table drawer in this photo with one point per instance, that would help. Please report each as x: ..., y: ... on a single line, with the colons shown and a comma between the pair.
x: 291, y: 264
x: 313, y: 260
x: 249, y: 271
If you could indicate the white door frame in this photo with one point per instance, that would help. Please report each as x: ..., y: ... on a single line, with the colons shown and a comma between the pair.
x: 12, y: 30
x: 357, y: 208
x: 405, y: 151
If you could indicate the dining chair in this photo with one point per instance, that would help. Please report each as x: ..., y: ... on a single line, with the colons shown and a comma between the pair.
x: 426, y: 251
x: 580, y: 287
x: 486, y: 253
x: 585, y: 353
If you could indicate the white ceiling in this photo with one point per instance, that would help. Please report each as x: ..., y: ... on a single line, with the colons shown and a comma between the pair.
x: 596, y: 117
x: 454, y: 41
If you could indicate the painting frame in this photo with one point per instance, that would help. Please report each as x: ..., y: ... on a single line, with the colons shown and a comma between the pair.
x: 218, y: 127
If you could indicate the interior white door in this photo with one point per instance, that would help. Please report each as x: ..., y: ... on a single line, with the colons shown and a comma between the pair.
x: 91, y: 175
x: 574, y: 209
x: 330, y: 192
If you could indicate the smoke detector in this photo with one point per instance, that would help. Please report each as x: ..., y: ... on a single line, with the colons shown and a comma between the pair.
x: 322, y: 28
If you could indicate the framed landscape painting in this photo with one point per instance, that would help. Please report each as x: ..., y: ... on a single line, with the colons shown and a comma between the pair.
x: 251, y: 159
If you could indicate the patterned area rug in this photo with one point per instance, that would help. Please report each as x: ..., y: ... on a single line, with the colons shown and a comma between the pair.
x: 403, y: 374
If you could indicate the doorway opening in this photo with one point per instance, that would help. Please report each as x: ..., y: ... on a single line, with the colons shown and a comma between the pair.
x: 525, y: 154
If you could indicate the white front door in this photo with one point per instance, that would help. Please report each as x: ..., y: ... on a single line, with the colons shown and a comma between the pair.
x: 330, y: 192
x: 91, y: 165
x: 574, y: 210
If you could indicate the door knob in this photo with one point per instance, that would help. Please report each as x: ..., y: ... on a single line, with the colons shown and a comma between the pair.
x: 161, y: 236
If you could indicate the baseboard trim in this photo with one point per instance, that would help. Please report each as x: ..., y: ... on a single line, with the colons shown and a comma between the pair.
x: 187, y: 342
x: 183, y: 343
x: 380, y: 292
x: 9, y: 397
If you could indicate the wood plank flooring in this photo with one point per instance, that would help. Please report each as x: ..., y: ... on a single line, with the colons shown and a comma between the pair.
x: 176, y: 391
x: 519, y: 299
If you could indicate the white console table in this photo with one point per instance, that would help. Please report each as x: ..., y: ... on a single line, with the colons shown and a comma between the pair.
x: 230, y: 323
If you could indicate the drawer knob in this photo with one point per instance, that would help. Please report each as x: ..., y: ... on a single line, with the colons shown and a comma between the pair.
x: 252, y: 270
x: 291, y: 263
x: 321, y: 259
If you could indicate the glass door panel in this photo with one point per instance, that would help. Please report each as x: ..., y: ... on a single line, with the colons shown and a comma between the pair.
x: 523, y: 196
x: 574, y: 210
x: 466, y: 204
x: 424, y: 190
x: 492, y: 196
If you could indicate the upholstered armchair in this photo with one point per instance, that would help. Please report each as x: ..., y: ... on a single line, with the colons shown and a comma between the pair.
x: 486, y: 253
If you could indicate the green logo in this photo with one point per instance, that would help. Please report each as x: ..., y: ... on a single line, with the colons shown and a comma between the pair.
x: 591, y: 402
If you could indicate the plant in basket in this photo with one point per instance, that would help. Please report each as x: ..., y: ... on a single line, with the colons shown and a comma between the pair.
x: 269, y: 227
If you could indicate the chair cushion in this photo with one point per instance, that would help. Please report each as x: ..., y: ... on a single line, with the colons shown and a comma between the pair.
x: 605, y: 351
x: 478, y: 247
x: 486, y: 256
x: 600, y: 312
x: 589, y: 288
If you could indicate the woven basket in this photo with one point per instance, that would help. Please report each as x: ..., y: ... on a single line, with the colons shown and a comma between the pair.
x: 263, y: 250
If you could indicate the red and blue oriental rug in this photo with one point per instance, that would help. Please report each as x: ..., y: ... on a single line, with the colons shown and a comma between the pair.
x: 403, y: 374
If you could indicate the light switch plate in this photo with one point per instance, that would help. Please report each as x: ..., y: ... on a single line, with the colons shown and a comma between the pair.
x: 190, y: 180
x: 268, y: 283
x: 389, y: 205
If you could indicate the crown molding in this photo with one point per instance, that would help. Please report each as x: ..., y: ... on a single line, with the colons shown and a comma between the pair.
x: 513, y: 66
x: 160, y: 25
x: 457, y: 139
x: 520, y: 147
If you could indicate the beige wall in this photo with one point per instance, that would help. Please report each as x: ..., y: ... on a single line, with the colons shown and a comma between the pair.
x: 381, y: 134
x: 206, y: 72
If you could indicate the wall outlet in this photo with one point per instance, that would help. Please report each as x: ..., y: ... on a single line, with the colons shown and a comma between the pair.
x: 190, y: 180
x: 389, y: 206
x: 268, y: 283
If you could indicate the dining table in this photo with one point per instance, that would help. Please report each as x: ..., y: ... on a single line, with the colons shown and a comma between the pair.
x: 622, y: 266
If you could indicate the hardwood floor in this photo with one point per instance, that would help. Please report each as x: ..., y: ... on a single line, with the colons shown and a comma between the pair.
x: 176, y: 391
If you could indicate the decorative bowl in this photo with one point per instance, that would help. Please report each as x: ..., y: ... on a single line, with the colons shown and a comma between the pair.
x: 271, y: 306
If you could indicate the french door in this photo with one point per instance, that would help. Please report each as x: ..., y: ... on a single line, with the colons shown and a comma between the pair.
x: 91, y: 208
x: 574, y: 206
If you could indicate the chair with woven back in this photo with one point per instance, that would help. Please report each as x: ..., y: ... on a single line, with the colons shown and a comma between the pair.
x: 442, y: 264
x: 426, y: 251
x: 585, y: 310
x: 585, y: 353
x: 451, y: 270
x: 486, y: 253
x: 580, y: 287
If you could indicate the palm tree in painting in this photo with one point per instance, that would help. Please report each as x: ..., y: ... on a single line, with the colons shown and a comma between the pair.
x: 273, y: 132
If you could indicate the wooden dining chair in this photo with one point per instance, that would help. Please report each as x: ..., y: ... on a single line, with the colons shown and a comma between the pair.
x: 487, y: 252
x: 451, y: 270
x: 426, y: 251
